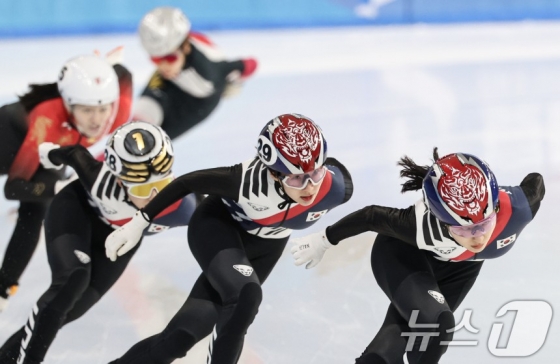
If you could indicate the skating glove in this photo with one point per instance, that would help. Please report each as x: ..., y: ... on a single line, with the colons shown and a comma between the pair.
x: 236, y: 79
x: 120, y: 241
x: 310, y: 249
x: 44, y: 149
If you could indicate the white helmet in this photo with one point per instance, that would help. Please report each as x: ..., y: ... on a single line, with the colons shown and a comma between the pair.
x: 139, y: 152
x: 88, y: 80
x: 163, y: 30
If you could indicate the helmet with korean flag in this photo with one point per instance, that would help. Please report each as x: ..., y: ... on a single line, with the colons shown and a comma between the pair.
x: 139, y: 152
x: 292, y: 144
x: 460, y: 190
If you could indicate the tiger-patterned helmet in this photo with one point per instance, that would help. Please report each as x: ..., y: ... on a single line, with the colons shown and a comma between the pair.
x: 460, y: 189
x: 292, y: 144
x: 139, y: 152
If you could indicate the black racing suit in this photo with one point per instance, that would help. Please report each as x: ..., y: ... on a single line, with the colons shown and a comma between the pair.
x: 421, y: 268
x: 189, y: 98
x: 78, y: 221
x: 237, y: 235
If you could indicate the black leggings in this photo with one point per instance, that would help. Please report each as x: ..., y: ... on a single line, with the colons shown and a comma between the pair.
x: 227, y: 295
x: 26, y: 234
x: 413, y: 280
x: 22, y: 244
x: 81, y: 273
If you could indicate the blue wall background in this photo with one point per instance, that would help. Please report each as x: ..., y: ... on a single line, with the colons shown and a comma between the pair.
x: 61, y: 17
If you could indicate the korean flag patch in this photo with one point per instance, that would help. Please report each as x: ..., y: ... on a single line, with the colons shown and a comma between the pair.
x: 312, y: 216
x: 502, y: 243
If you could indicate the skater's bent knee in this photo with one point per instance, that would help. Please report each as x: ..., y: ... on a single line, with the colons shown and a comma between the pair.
x: 446, y: 322
x: 249, y: 300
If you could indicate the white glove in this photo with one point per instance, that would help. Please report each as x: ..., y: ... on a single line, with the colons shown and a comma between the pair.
x: 310, y: 248
x: 44, y: 149
x: 232, y: 89
x: 59, y: 185
x: 234, y: 84
x: 120, y: 241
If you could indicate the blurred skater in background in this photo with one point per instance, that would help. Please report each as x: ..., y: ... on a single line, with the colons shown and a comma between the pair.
x: 90, y: 99
x: 192, y: 75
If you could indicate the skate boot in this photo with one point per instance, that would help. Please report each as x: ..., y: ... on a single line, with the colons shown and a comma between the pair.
x: 5, y: 295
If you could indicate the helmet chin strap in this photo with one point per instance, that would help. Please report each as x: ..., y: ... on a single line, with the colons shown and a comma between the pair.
x: 279, y: 186
x: 282, y: 193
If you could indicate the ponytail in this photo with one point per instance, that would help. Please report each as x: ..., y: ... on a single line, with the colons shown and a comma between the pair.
x: 414, y: 172
x: 38, y: 94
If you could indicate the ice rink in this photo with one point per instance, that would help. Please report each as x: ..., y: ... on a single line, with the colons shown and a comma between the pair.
x: 379, y: 93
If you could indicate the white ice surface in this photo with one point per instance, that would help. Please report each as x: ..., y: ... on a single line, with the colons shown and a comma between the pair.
x: 379, y: 93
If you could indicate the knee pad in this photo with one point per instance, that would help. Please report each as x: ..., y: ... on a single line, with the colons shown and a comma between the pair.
x: 251, y: 294
x: 86, y: 301
x: 246, y: 307
x: 249, y: 300
x: 66, y: 290
x: 435, y: 350
x: 446, y: 322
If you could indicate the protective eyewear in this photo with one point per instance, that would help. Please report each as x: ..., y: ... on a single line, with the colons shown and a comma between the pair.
x: 299, y: 181
x: 145, y: 190
x: 169, y: 58
x: 475, y: 230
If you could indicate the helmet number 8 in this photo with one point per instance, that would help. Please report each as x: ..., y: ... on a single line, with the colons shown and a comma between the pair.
x: 110, y: 158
